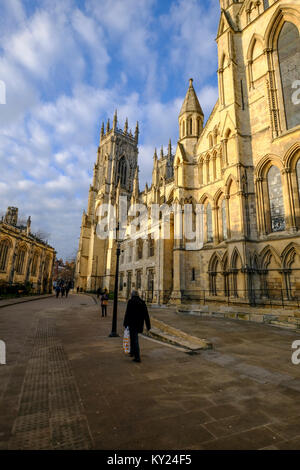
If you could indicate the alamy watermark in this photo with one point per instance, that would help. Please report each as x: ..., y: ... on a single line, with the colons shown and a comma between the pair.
x: 296, y: 94
x: 2, y: 92
x: 296, y: 353
x: 155, y: 221
x: 2, y: 353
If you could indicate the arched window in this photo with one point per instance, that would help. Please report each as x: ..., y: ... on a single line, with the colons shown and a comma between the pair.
x: 276, y: 200
x: 138, y: 279
x: 191, y: 126
x: 298, y: 175
x: 139, y: 249
x: 209, y: 230
x: 150, y: 246
x: 289, y: 60
x: 34, y: 264
x: 4, y: 250
x: 47, y: 266
x: 20, y: 260
x: 224, y: 219
x: 122, y: 171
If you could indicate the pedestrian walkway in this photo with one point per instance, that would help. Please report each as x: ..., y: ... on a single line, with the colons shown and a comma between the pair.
x: 21, y: 300
x: 68, y: 385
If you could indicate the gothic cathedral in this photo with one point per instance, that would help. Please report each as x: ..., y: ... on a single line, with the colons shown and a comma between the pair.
x: 242, y: 167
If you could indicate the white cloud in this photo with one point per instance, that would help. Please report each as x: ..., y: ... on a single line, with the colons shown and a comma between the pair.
x: 67, y: 67
x: 192, y: 27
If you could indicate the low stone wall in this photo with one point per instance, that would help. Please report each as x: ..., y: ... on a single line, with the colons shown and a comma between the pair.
x: 277, y: 318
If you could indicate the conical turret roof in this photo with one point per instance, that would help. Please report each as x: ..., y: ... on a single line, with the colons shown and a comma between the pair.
x: 191, y: 103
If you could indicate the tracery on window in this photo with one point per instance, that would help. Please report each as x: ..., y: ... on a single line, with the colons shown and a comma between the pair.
x: 277, y: 215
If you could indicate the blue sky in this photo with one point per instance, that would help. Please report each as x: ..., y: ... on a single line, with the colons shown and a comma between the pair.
x: 67, y: 66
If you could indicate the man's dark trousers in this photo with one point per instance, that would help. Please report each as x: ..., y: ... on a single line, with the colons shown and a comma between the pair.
x: 134, y: 343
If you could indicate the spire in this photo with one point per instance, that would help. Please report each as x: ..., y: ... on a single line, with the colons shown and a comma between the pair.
x: 115, y: 122
x: 107, y: 125
x: 155, y: 172
x: 102, y: 130
x: 136, y: 134
x: 169, y: 148
x: 191, y: 103
x: 126, y: 126
x: 162, y: 152
x: 190, y: 119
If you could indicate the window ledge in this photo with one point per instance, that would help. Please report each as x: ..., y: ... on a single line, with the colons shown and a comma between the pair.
x: 287, y: 132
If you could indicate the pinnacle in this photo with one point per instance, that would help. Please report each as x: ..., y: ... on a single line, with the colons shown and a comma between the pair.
x: 191, y: 103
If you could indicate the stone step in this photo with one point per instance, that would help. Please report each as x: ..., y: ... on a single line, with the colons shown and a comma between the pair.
x: 169, y: 334
x: 286, y: 325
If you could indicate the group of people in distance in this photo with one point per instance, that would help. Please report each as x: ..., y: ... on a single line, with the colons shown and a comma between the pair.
x: 62, y: 288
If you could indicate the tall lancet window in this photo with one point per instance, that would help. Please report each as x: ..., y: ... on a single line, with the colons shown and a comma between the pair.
x: 209, y: 223
x: 122, y: 171
x: 289, y: 60
x: 298, y: 175
x: 224, y: 219
x: 276, y: 200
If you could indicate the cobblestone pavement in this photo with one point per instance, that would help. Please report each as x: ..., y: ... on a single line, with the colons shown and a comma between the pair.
x: 67, y: 385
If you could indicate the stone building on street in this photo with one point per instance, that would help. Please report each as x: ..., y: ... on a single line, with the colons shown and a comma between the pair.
x: 24, y: 258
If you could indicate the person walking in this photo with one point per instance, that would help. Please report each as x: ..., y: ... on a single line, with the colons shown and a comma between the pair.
x: 135, y: 316
x: 104, y: 303
x: 99, y: 291
x: 62, y: 289
x: 68, y: 287
x: 57, y: 290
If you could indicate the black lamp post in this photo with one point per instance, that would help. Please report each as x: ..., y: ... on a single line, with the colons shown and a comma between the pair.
x: 114, y: 333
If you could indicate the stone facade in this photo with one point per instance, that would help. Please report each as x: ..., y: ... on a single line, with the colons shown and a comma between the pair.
x: 24, y: 258
x: 242, y: 168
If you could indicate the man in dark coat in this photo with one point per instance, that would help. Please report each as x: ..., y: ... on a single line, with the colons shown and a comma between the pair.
x: 135, y: 316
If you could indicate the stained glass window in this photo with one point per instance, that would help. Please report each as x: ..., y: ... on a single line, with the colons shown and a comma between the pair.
x: 289, y: 60
x: 276, y: 200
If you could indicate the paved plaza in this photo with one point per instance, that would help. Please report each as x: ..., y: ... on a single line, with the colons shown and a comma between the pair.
x: 67, y: 385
